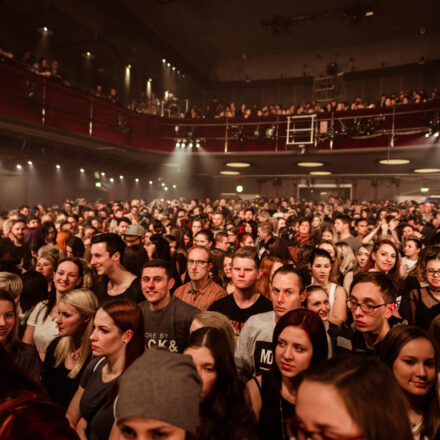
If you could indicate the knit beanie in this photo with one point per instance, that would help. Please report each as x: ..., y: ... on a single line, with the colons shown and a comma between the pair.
x: 163, y: 386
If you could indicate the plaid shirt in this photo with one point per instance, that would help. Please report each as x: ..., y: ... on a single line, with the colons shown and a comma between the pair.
x: 201, y: 298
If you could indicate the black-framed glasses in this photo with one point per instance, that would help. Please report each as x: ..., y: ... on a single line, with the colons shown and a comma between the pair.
x: 366, y: 308
x: 197, y: 262
x: 300, y: 432
x: 433, y: 272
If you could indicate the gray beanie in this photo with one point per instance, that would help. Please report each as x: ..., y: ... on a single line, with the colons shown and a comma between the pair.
x: 163, y: 386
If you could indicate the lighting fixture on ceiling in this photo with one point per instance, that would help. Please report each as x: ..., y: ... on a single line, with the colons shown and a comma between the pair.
x: 310, y: 164
x: 427, y: 170
x: 238, y: 164
x: 44, y: 30
x: 320, y: 173
x: 229, y: 173
x: 88, y: 55
x: 394, y: 161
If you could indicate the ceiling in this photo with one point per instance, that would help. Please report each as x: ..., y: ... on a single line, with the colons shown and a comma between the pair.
x: 196, y: 35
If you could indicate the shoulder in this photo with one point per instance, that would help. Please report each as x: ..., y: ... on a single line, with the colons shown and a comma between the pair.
x: 182, y: 306
x: 260, y: 319
x: 221, y: 303
x: 94, y: 367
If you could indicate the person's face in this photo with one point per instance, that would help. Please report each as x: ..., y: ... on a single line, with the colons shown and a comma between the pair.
x: 329, y: 248
x: 316, y: 222
x: 227, y: 267
x: 50, y: 236
x: 318, y: 417
x: 244, y: 273
x: 433, y: 273
x: 173, y: 248
x: 248, y: 216
x: 69, y: 321
x: 66, y: 227
x: 45, y: 268
x: 122, y: 227
x: 414, y: 367
x: 222, y: 244
x: 196, y: 227
x: 102, y: 261
x: 131, y: 240
x: 149, y: 429
x: 248, y: 241
x: 410, y: 249
x: 69, y: 252
x: 362, y: 228
x: 107, y: 339
x: 318, y: 302
x: 248, y: 228
x: 327, y: 236
x: 66, y: 277
x: 362, y: 256
x: 264, y: 235
x: 286, y: 293
x: 18, y: 231
x: 186, y: 240
x: 217, y: 220
x: 7, y: 319
x: 232, y: 236
x: 198, y: 265
x: 73, y: 222
x: 321, y: 269
x: 205, y: 364
x: 201, y: 240
x: 155, y: 286
x: 384, y: 258
x: 34, y: 223
x: 369, y: 293
x: 407, y: 231
x: 339, y: 225
x: 281, y: 223
x: 304, y: 228
x: 293, y: 351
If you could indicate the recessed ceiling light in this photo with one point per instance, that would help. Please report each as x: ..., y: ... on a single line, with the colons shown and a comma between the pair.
x: 310, y: 164
x: 230, y: 173
x: 394, y: 161
x: 320, y: 173
x: 238, y: 164
x: 427, y: 170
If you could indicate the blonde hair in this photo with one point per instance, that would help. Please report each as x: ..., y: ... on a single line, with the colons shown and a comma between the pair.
x: 345, y: 257
x: 84, y: 302
x: 12, y: 283
x: 218, y: 321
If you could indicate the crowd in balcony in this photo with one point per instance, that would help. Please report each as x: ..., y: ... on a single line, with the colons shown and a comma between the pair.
x: 169, y: 105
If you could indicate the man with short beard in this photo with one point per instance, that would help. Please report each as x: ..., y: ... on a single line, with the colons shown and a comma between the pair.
x: 20, y: 252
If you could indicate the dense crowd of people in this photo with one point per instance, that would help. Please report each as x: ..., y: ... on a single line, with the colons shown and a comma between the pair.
x: 220, y: 319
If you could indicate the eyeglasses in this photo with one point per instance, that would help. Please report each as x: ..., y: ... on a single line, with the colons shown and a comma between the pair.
x: 433, y: 272
x: 366, y: 308
x: 197, y: 262
x: 299, y: 431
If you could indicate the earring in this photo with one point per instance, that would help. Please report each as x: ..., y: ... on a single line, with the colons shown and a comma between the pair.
x: 124, y: 342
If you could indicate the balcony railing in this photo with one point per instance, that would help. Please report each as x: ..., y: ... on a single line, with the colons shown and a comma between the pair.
x: 31, y: 98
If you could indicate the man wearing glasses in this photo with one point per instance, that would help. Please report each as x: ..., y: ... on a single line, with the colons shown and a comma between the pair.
x: 372, y: 303
x: 201, y: 291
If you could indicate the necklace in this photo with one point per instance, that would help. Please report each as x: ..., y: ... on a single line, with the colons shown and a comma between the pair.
x: 75, y: 354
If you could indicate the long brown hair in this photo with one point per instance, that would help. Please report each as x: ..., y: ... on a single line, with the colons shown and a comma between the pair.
x: 127, y: 315
x: 371, y: 395
x: 392, y: 345
x: 394, y: 272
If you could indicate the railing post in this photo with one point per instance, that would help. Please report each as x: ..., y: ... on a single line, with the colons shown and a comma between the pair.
x: 226, y: 135
x: 43, y: 110
x: 91, y: 117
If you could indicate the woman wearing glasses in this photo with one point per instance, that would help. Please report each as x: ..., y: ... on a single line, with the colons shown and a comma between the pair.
x: 350, y: 398
x: 411, y: 355
x: 422, y: 305
x: 299, y: 341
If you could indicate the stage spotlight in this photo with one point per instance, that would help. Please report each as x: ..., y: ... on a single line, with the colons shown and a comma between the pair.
x: 190, y: 145
x: 177, y: 144
x: 198, y: 144
x: 182, y: 145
